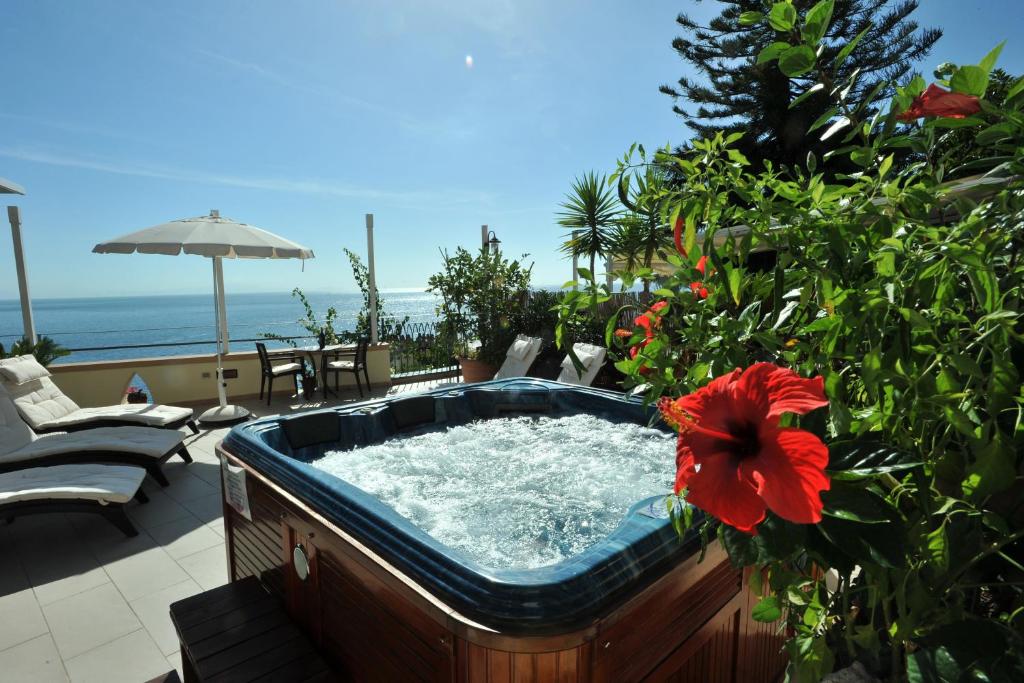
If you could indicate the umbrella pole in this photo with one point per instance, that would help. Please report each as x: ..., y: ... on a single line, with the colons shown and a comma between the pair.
x: 223, y: 413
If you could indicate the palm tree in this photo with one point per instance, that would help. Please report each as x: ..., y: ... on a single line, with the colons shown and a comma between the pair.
x: 642, y: 232
x: 592, y: 209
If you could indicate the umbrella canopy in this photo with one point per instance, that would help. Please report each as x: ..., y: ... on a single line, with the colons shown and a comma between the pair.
x: 212, y: 235
x: 7, y: 187
x: 217, y: 238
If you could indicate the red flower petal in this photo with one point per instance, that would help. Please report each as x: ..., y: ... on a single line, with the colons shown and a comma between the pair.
x: 658, y: 307
x: 719, y: 488
x: 702, y: 264
x: 789, y: 472
x: 685, y: 466
x: 677, y: 236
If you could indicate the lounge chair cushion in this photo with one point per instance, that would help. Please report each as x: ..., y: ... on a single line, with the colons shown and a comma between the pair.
x: 21, y: 369
x: 154, y: 443
x: 14, y: 433
x: 341, y: 365
x: 592, y: 357
x: 43, y: 405
x: 516, y: 363
x: 102, y: 483
x: 520, y: 348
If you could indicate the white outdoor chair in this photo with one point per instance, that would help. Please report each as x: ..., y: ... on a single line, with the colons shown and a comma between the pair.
x: 21, y: 448
x: 519, y: 357
x: 591, y: 356
x: 46, y: 408
x: 98, y: 489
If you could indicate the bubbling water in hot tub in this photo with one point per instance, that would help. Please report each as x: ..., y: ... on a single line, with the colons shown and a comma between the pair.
x: 514, y: 492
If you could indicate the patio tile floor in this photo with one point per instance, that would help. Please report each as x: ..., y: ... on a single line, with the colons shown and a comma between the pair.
x: 81, y: 602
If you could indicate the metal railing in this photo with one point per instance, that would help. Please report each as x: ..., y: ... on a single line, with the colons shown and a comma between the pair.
x: 421, y: 348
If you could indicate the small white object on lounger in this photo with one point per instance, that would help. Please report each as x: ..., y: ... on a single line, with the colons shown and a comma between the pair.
x: 45, y: 407
x: 519, y: 357
x: 101, y: 483
x: 592, y: 358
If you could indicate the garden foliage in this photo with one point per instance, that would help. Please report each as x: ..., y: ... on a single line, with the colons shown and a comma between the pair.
x: 903, y: 295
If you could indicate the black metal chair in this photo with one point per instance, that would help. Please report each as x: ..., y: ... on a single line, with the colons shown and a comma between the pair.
x: 269, y: 371
x: 346, y: 360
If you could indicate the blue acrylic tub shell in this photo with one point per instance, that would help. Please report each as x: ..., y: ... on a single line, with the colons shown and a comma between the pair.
x: 555, y: 598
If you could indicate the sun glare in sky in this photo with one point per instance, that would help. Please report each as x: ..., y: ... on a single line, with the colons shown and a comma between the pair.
x: 469, y: 61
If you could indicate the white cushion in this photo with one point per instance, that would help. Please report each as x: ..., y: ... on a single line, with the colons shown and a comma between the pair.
x: 21, y: 369
x: 143, y: 414
x: 518, y: 367
x: 14, y: 433
x: 520, y: 348
x: 592, y: 357
x: 285, y: 368
x: 341, y: 365
x: 44, y: 406
x: 41, y: 401
x: 102, y: 483
x: 147, y: 441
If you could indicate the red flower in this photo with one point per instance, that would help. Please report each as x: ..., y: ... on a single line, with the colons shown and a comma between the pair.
x: 648, y: 322
x: 623, y: 333
x: 733, y: 457
x: 677, y: 236
x: 698, y: 288
x: 941, y: 103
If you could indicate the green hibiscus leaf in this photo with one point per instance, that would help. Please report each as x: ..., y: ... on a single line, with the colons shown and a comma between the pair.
x: 796, y: 61
x: 970, y: 80
x: 865, y: 457
x: 816, y: 22
x: 782, y: 16
x: 767, y: 610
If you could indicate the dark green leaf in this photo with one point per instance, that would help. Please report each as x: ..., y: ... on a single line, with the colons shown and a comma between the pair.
x: 751, y: 18
x: 865, y: 457
x: 816, y: 22
x: 855, y: 503
x: 796, y: 61
x: 767, y: 610
x: 849, y: 47
x: 772, y: 52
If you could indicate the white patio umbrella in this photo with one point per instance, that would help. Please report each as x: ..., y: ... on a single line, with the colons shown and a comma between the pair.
x: 218, y: 238
x: 7, y: 187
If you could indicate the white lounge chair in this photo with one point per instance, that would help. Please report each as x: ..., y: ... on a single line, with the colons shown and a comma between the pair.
x: 519, y: 357
x: 46, y: 408
x: 99, y: 489
x: 591, y: 356
x: 22, y: 448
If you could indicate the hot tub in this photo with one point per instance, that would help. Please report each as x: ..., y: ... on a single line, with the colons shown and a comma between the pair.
x: 618, y: 604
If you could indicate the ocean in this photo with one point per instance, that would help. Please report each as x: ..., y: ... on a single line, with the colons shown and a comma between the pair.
x: 119, y: 321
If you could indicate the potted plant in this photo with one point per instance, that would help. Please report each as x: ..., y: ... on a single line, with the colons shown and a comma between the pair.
x: 480, y: 294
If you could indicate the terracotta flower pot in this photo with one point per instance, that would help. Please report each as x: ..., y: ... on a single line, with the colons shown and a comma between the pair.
x: 476, y: 370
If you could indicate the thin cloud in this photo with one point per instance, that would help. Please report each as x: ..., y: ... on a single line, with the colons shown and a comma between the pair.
x: 301, y: 186
x: 317, y: 89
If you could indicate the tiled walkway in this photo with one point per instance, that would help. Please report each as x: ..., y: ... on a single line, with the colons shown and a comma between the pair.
x: 81, y: 602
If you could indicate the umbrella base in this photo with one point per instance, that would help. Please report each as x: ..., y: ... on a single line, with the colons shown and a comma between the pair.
x: 221, y: 415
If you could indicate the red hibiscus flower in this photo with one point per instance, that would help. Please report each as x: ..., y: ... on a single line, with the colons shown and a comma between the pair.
x: 936, y: 102
x: 648, y: 322
x: 735, y: 460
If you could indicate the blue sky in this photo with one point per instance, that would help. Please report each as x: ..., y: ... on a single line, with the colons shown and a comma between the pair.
x: 300, y: 117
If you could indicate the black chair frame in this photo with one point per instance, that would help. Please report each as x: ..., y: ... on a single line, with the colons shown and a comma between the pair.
x: 267, y: 370
x: 358, y: 358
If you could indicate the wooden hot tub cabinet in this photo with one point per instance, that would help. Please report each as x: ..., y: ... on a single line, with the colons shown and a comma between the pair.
x: 375, y: 624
